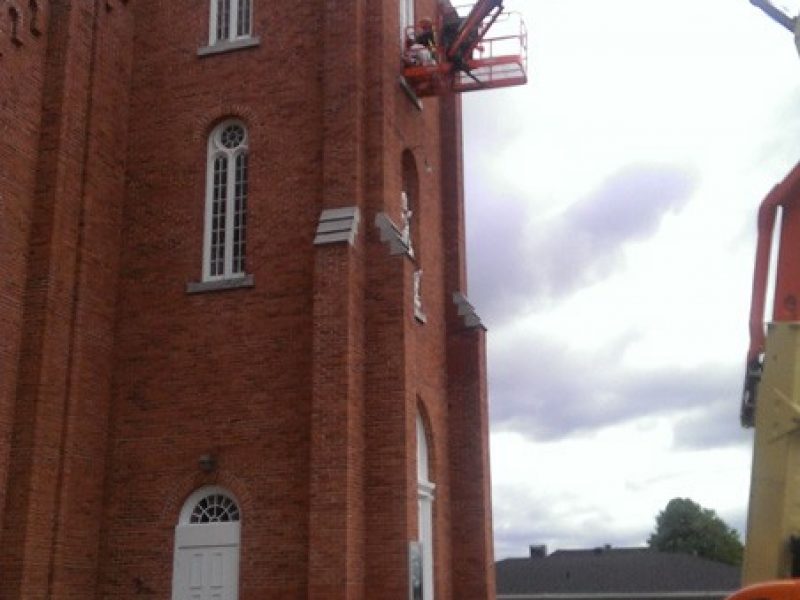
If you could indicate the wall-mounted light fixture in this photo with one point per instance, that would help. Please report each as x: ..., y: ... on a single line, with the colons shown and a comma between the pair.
x: 207, y: 463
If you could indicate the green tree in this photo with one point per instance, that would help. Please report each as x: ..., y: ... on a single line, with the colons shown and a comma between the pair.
x: 685, y: 526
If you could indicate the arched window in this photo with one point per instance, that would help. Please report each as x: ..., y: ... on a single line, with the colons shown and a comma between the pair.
x: 410, y: 197
x: 207, y: 539
x: 225, y: 239
x: 425, y: 494
x: 33, y: 7
x: 230, y: 20
x: 410, y: 210
x: 14, y: 17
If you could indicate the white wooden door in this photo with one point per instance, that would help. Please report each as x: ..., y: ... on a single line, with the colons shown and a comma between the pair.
x: 206, y: 562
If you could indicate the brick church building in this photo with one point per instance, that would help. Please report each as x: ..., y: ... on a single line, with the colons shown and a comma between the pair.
x: 237, y: 361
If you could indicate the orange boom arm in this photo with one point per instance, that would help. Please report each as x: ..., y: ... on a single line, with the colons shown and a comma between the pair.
x: 786, y: 306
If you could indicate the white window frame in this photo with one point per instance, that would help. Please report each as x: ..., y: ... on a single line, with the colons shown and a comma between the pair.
x: 406, y: 18
x: 425, y: 497
x: 217, y: 150
x: 233, y: 22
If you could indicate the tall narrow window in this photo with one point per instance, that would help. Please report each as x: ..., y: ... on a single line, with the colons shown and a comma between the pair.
x: 225, y: 244
x: 410, y: 205
x: 33, y: 7
x: 409, y: 211
x: 13, y: 16
x: 425, y: 489
x: 243, y: 19
x: 230, y: 20
x: 223, y: 19
x: 406, y: 18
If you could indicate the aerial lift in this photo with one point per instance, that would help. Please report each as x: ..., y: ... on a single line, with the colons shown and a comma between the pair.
x: 771, y: 395
x: 466, y: 56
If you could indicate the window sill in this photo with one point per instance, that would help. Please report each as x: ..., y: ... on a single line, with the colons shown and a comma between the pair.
x: 199, y: 287
x: 229, y: 46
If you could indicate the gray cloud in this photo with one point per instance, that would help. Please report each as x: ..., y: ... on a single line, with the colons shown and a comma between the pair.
x: 497, y: 253
x: 550, y: 392
x: 715, y: 425
x: 631, y: 203
x: 510, y: 270
x: 522, y: 519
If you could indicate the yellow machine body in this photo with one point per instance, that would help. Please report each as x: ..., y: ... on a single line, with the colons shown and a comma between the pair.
x: 774, y: 510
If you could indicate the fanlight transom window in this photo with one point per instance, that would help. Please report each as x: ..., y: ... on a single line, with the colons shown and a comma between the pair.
x: 232, y: 136
x: 214, y: 508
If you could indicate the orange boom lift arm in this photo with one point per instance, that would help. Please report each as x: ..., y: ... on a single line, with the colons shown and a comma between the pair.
x: 771, y: 401
x: 771, y: 396
x: 473, y: 29
x: 786, y: 305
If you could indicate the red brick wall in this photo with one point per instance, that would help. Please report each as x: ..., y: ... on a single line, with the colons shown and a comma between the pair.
x: 226, y: 373
x: 21, y: 73
x: 304, y: 387
x: 55, y: 457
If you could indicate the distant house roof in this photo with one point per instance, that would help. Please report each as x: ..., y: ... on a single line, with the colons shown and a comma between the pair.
x: 615, y: 573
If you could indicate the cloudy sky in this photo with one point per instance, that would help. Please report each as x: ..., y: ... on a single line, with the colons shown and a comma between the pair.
x: 611, y: 221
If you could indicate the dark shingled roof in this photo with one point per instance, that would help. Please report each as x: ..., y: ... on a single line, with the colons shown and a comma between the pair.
x: 620, y: 570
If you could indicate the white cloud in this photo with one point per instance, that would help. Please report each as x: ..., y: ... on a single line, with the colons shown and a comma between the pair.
x: 606, y: 486
x: 617, y: 389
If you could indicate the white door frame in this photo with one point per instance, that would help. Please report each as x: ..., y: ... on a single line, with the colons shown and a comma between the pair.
x: 206, y: 553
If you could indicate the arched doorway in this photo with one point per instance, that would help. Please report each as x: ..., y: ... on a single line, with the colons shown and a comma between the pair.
x: 206, y: 563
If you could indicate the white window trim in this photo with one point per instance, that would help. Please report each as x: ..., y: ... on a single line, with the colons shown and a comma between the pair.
x: 214, y: 152
x: 233, y: 23
x: 425, y: 496
x: 406, y: 18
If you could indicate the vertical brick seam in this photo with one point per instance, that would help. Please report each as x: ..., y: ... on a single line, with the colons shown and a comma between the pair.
x: 29, y: 516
